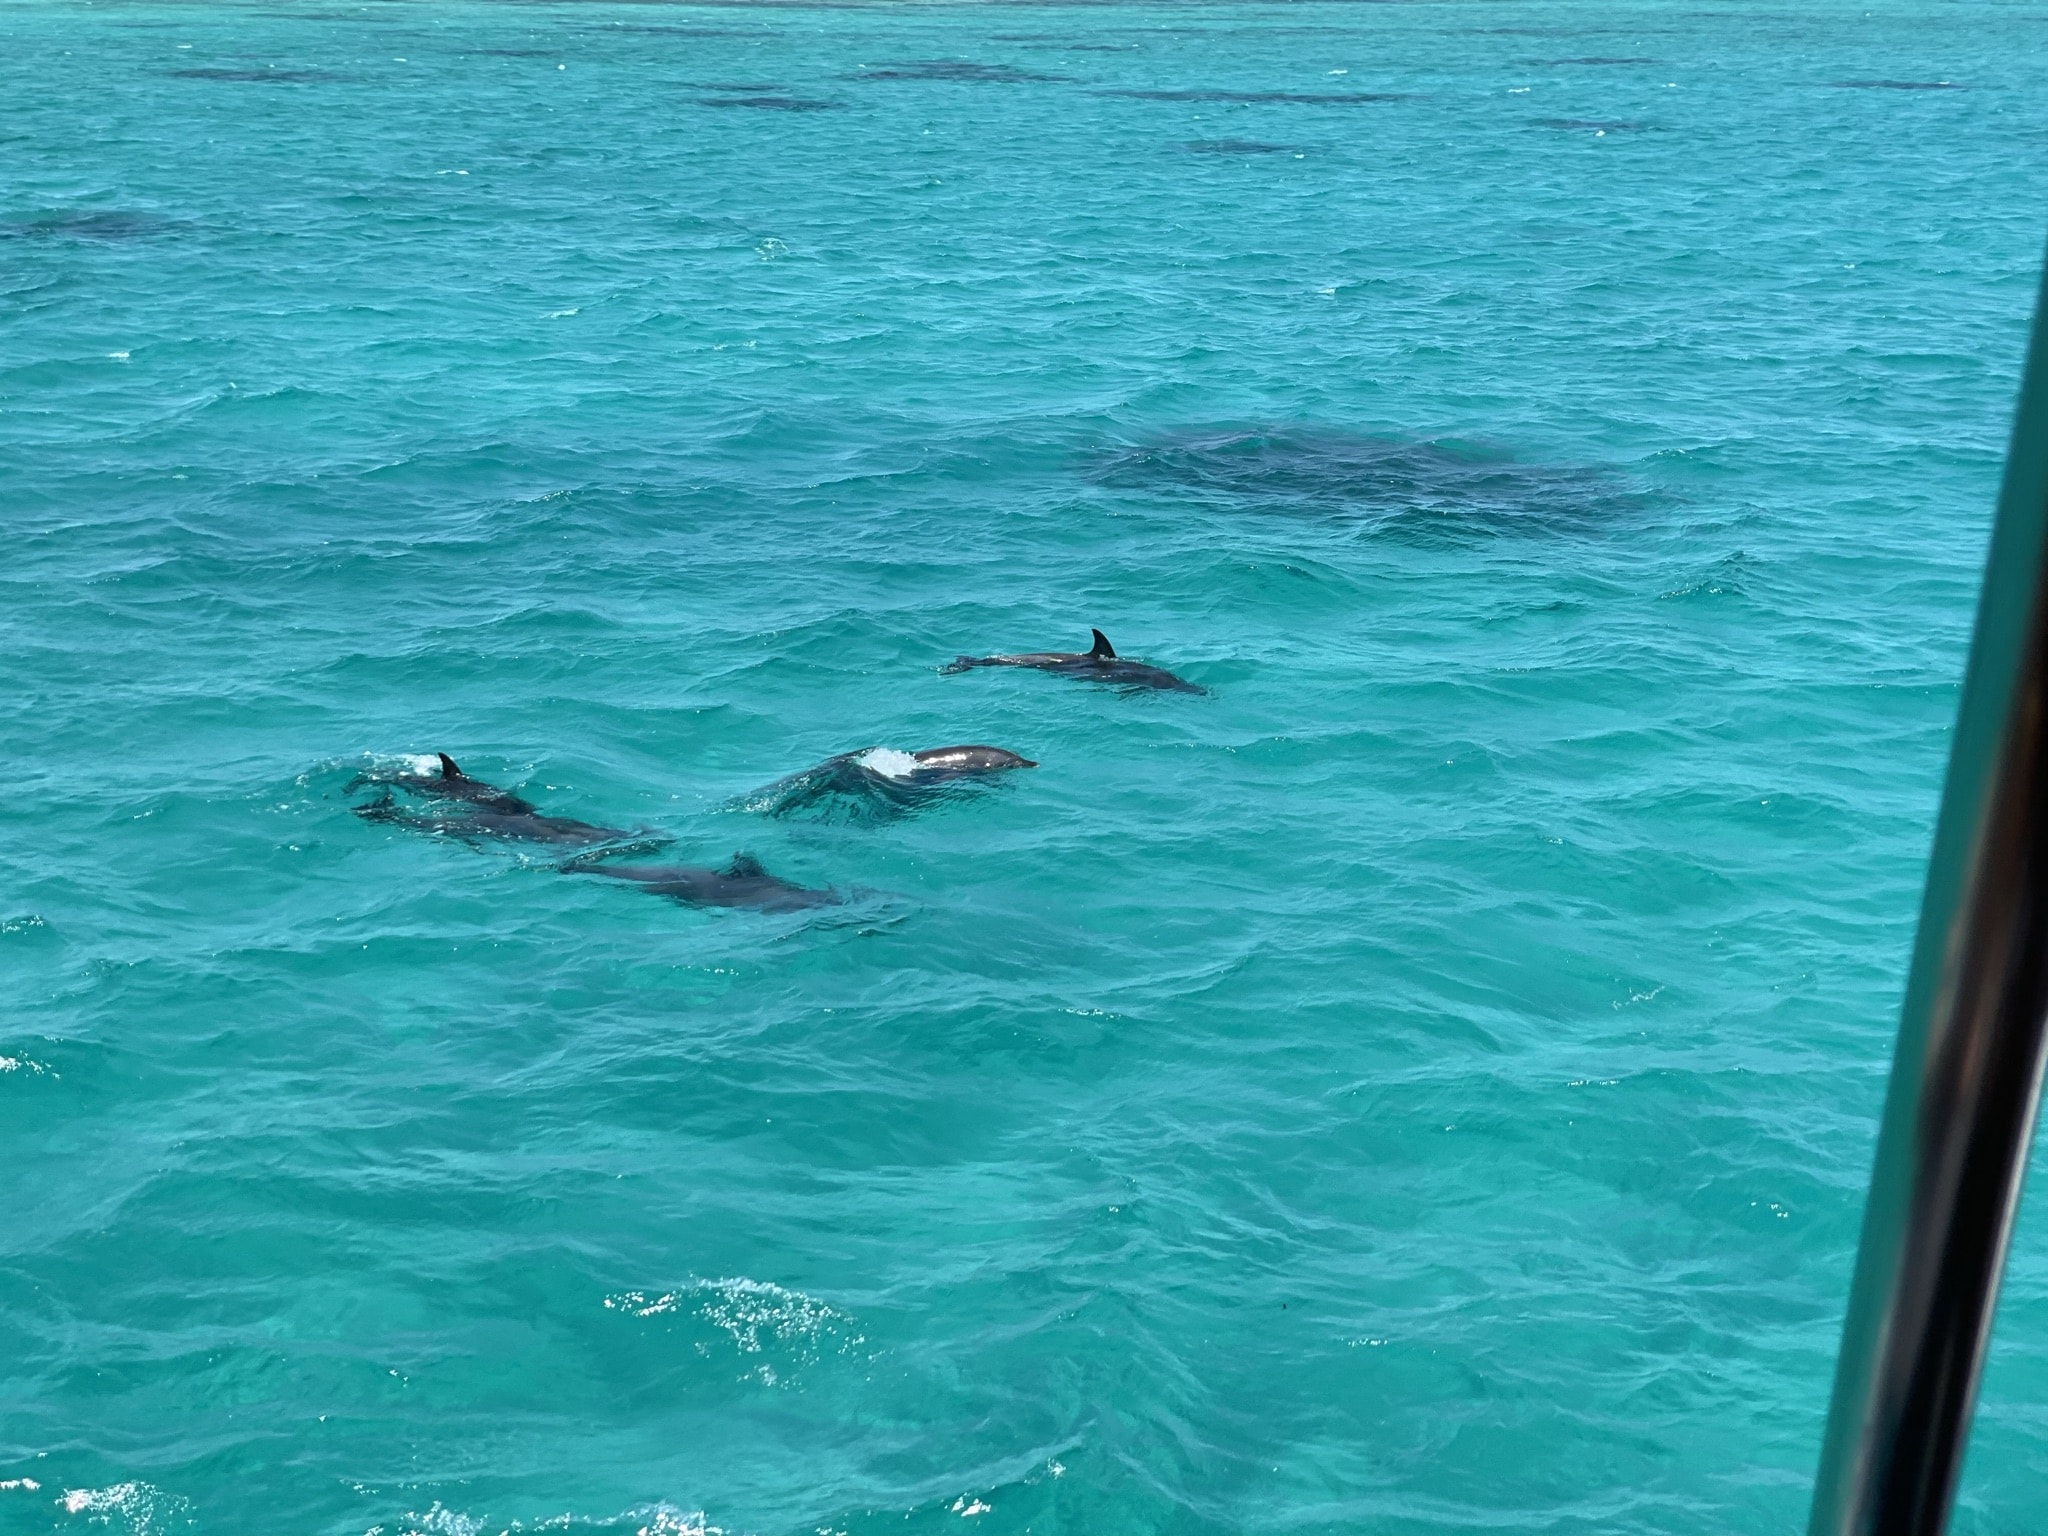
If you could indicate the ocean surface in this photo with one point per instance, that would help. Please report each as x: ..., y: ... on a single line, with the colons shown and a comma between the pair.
x: 1425, y: 1082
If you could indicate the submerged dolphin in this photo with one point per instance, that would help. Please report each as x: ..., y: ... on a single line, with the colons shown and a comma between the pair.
x: 494, y: 814
x: 742, y: 883
x: 879, y: 783
x: 1098, y: 665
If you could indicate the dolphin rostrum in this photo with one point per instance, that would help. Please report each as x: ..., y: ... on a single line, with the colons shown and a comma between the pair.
x: 881, y: 783
x: 742, y: 883
x: 1101, y: 664
x: 489, y: 813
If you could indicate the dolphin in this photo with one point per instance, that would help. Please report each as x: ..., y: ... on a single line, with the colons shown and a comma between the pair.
x: 1101, y: 664
x: 742, y: 883
x: 880, y: 783
x: 935, y: 765
x: 437, y: 778
x: 507, y: 827
x: 491, y: 814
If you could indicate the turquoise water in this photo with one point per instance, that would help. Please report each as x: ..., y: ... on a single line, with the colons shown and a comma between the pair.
x: 1425, y: 1083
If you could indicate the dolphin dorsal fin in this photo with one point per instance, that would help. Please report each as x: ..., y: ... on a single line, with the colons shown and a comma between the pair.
x: 1103, y: 650
x: 448, y: 768
x: 744, y: 866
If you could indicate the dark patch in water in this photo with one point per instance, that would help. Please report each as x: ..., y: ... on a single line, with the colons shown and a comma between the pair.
x: 259, y: 76
x: 1237, y: 147
x: 1591, y: 125
x: 770, y: 103
x: 1059, y: 44
x: 1898, y: 85
x: 1595, y: 60
x: 1723, y: 580
x: 1395, y: 486
x: 755, y: 88
x: 953, y: 69
x: 649, y: 30
x: 111, y: 225
x: 1303, y: 98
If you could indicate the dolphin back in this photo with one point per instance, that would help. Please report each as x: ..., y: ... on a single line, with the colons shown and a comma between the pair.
x: 879, y: 784
x: 970, y: 759
x: 1099, y: 664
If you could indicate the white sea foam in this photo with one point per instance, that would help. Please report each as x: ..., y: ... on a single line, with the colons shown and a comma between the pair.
x: 667, y: 1520
x: 757, y: 1315
x: 143, y: 1509
x: 424, y: 764
x: 640, y: 1304
x: 659, y: 1519
x: 25, y: 1484
x: 754, y: 1310
x: 442, y: 1521
x: 888, y: 762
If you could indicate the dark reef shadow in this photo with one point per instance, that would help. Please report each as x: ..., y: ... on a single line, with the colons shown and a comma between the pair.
x: 107, y: 225
x: 961, y: 70
x: 647, y: 29
x: 1052, y: 43
x: 1593, y: 125
x: 1297, y: 98
x: 1397, y: 487
x: 1239, y: 147
x: 770, y: 103
x: 257, y: 76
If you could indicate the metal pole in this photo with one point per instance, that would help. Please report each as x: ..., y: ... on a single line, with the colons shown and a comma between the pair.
x: 1966, y: 1075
